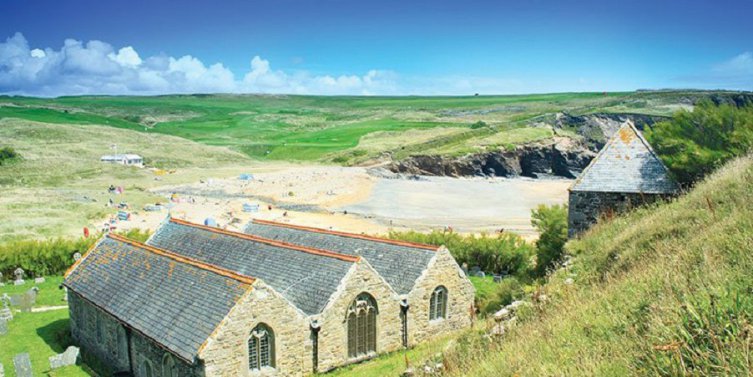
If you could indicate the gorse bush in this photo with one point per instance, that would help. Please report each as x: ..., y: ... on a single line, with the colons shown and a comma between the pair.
x: 505, y: 253
x: 693, y: 144
x: 51, y: 256
x: 551, y: 222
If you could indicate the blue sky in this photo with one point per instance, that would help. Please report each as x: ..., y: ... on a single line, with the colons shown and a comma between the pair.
x: 55, y: 47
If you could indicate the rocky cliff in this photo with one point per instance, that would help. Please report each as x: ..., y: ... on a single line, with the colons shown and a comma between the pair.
x: 560, y: 156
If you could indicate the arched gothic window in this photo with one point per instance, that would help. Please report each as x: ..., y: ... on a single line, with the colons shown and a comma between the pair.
x: 261, y: 348
x: 361, y: 319
x: 168, y: 366
x: 146, y: 368
x: 438, y: 303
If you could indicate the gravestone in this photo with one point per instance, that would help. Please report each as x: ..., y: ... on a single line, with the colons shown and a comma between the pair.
x: 22, y: 364
x: 69, y: 357
x: 29, y: 299
x: 15, y: 300
x: 497, y: 278
x: 39, y: 280
x: 19, y: 274
x: 3, y: 326
x: 464, y: 266
x: 76, y: 257
x: 475, y: 269
x: 5, y: 313
x: 480, y: 274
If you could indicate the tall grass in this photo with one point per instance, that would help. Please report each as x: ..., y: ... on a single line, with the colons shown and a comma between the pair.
x: 664, y: 290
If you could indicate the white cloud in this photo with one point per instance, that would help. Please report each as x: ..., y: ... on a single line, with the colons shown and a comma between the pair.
x: 734, y: 73
x: 37, y: 53
x: 739, y: 68
x: 126, y: 56
x: 95, y: 67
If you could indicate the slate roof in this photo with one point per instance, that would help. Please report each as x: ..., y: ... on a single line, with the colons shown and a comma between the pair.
x: 175, y: 301
x: 399, y: 263
x: 626, y: 164
x: 304, y: 276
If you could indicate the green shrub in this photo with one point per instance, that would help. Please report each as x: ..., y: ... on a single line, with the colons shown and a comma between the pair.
x: 479, y: 124
x: 695, y: 143
x: 504, y: 253
x: 505, y: 292
x: 551, y: 222
x: 136, y: 234
x: 41, y: 257
x: 51, y: 256
x: 7, y: 154
x: 340, y: 159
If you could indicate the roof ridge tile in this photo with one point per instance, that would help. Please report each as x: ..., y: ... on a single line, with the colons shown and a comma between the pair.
x: 347, y: 234
x: 283, y: 244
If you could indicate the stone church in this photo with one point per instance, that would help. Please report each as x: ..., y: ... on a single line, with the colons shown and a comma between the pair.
x: 278, y: 300
x: 626, y: 173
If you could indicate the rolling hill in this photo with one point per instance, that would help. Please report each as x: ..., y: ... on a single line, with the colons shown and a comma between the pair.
x: 348, y: 130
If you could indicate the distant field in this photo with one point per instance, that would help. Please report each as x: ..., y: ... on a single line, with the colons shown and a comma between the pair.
x: 330, y: 128
x: 58, y: 184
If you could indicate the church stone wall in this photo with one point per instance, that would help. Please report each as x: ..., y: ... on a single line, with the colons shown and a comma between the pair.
x: 226, y: 352
x: 333, y: 336
x: 104, y: 343
x: 144, y: 351
x: 586, y: 207
x: 443, y: 271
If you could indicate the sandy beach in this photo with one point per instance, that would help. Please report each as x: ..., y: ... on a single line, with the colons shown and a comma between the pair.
x: 350, y: 199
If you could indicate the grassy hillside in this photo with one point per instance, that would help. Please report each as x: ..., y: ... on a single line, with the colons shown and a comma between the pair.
x: 665, y: 290
x: 337, y: 128
x: 57, y: 184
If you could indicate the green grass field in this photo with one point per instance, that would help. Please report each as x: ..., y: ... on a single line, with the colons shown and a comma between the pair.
x: 322, y: 128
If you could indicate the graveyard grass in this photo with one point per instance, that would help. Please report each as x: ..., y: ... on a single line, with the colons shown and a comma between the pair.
x: 40, y: 334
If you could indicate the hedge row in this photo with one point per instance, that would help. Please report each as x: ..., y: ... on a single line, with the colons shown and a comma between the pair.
x: 504, y: 253
x: 48, y: 257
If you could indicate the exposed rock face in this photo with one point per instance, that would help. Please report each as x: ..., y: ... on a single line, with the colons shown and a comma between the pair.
x: 559, y: 157
x: 597, y: 128
x: 737, y: 99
